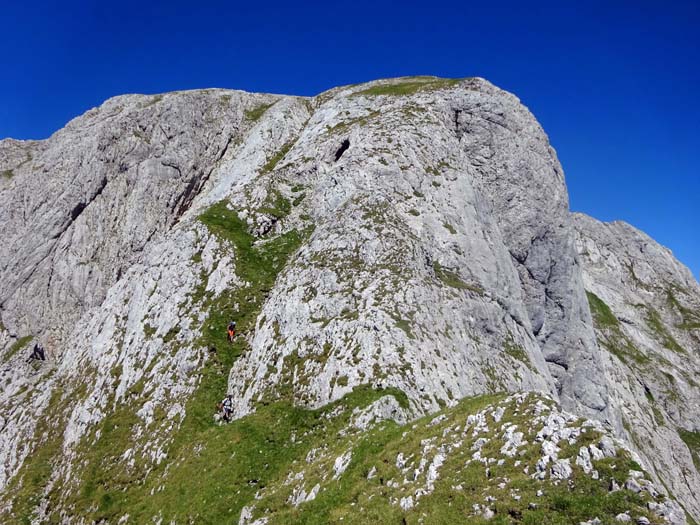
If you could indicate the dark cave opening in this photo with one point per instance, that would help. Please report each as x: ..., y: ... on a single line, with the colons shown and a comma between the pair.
x: 343, y: 148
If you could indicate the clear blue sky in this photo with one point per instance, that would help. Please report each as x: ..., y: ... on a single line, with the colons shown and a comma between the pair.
x: 615, y: 84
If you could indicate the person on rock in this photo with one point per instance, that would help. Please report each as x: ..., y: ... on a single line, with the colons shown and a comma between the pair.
x: 227, y: 407
x: 231, y: 331
x: 38, y: 353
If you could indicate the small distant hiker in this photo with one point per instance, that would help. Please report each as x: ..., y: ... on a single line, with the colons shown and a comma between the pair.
x: 231, y: 331
x: 227, y: 407
x: 37, y: 353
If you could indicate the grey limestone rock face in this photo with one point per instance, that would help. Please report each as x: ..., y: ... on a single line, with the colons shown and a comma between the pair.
x: 422, y: 272
x: 94, y: 258
x: 517, y: 170
x: 435, y: 255
x: 648, y: 320
x: 82, y: 206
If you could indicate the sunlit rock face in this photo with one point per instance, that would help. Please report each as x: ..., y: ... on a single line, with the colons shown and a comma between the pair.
x: 646, y: 308
x: 410, y: 234
x: 441, y: 261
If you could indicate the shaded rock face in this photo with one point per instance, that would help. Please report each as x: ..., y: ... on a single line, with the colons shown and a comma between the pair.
x: 517, y: 170
x: 411, y: 234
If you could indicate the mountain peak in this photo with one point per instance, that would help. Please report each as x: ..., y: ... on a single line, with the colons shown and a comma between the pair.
x: 406, y: 235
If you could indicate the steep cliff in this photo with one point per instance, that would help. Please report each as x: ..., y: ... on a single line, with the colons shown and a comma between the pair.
x: 646, y: 308
x: 408, y: 236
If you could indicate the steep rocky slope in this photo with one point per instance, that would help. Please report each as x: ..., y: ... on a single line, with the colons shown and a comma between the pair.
x: 646, y: 308
x: 409, y: 236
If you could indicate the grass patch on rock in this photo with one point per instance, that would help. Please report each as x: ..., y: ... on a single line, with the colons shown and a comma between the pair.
x: 26, y: 489
x: 277, y: 205
x: 451, y: 279
x: 424, y: 472
x: 17, y: 346
x: 277, y: 157
x: 660, y: 331
x: 409, y: 86
x: 517, y: 352
x: 601, y: 312
x: 211, y: 471
x: 610, y: 334
x: 255, y: 113
x: 692, y: 441
x: 449, y: 228
x: 690, y: 318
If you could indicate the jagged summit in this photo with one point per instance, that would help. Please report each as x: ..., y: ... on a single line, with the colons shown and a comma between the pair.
x: 409, y: 234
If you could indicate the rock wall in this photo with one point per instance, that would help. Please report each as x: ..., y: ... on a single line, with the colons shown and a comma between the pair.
x: 449, y: 250
x: 647, y: 308
x: 81, y: 207
x: 408, y: 234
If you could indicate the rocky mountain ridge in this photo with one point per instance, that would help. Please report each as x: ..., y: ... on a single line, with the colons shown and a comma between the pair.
x: 409, y: 234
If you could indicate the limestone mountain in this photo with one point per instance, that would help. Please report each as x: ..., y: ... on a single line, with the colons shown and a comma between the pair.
x: 392, y: 252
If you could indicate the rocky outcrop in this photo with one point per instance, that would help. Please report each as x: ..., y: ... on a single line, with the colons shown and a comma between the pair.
x: 519, y: 457
x: 517, y: 170
x: 647, y: 311
x: 408, y: 235
x: 91, y: 255
x: 81, y: 207
x: 422, y: 271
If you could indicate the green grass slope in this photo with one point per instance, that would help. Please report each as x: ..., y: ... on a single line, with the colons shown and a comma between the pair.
x: 456, y: 467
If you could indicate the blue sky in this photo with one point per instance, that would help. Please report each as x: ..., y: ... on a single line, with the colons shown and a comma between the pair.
x: 615, y: 84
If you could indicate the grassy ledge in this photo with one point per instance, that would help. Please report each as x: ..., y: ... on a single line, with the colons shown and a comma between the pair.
x: 660, y: 331
x: 601, y: 312
x: 254, y: 114
x: 277, y: 157
x: 610, y: 334
x: 17, y: 346
x: 451, y: 279
x: 409, y: 86
x: 692, y: 441
x: 517, y: 352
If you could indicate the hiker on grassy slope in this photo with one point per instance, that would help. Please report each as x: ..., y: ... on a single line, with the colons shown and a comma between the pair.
x: 227, y: 407
x: 231, y: 331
